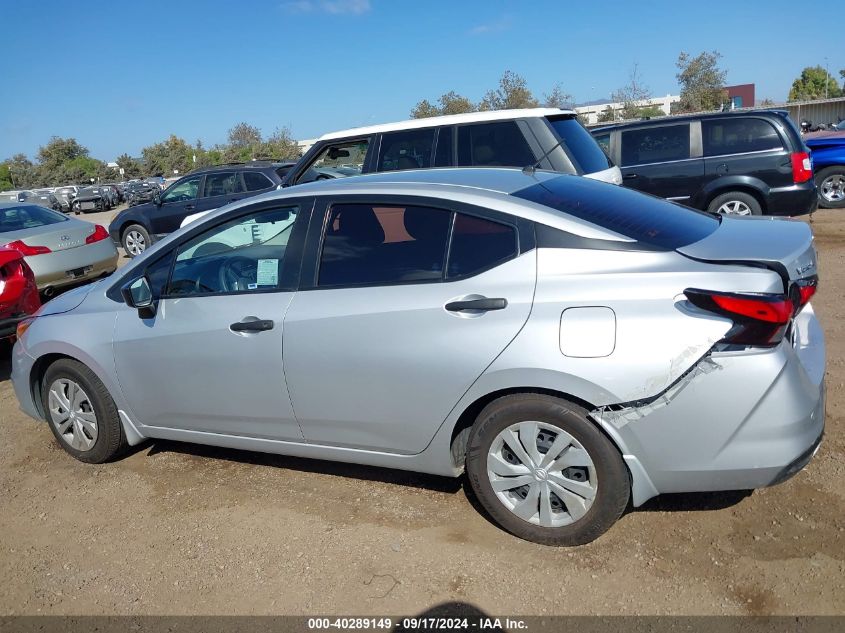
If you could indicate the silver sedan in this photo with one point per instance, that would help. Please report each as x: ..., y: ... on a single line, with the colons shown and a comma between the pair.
x: 59, y: 249
x: 568, y: 344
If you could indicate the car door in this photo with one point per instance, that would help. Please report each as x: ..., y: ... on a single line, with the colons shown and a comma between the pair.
x: 220, y: 188
x: 177, y: 201
x: 210, y: 358
x: 386, y: 335
x: 662, y: 160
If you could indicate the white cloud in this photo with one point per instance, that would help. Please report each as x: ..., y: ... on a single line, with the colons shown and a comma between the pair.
x: 334, y: 7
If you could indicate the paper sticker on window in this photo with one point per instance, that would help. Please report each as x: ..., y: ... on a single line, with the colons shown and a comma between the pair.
x: 268, y: 272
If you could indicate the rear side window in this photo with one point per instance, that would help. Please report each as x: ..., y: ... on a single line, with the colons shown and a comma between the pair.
x: 651, y: 222
x: 493, y: 145
x: 365, y: 244
x: 409, y: 149
x: 657, y: 144
x: 479, y: 244
x: 738, y: 135
x: 443, y: 154
x: 582, y: 148
x: 255, y: 180
x: 222, y: 184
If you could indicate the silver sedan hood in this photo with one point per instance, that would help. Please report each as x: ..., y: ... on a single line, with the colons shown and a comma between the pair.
x: 785, y: 245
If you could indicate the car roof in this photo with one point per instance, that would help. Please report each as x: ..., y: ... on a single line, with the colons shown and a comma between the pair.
x: 449, y: 119
x: 682, y: 118
x: 254, y: 164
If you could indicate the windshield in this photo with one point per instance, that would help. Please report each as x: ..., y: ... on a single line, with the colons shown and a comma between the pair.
x: 27, y: 217
x: 648, y: 220
x: 580, y: 145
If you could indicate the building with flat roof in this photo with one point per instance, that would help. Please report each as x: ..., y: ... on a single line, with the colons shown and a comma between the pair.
x: 590, y: 113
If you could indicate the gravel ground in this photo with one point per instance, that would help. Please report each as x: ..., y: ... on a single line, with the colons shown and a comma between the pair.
x: 181, y: 529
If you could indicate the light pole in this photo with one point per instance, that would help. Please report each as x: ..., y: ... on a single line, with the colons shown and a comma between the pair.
x: 826, y: 77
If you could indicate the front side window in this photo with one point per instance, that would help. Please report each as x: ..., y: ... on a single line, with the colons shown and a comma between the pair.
x: 243, y: 255
x: 222, y: 184
x: 499, y: 144
x: 409, y: 149
x: 27, y: 217
x: 185, y: 190
x: 657, y: 144
x: 738, y: 135
x: 337, y: 161
x: 255, y: 181
x: 366, y: 244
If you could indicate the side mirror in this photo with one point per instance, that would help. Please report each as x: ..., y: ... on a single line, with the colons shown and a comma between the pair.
x: 157, y: 199
x: 138, y: 294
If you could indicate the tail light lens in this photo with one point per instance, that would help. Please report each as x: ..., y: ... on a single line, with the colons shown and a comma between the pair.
x: 802, y: 168
x: 759, y: 320
x: 26, y: 250
x: 98, y: 235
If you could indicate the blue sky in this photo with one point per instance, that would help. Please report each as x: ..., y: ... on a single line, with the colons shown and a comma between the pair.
x: 120, y: 75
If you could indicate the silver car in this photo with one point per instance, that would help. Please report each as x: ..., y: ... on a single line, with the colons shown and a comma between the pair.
x: 59, y: 249
x: 568, y: 344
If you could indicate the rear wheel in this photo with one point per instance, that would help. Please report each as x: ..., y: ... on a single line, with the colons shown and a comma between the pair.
x: 135, y: 240
x: 831, y: 184
x: 81, y: 413
x: 735, y: 203
x: 544, y: 472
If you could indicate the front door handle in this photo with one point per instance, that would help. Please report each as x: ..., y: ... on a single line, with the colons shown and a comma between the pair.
x: 233, y: 199
x: 481, y: 305
x: 252, y: 324
x: 189, y: 207
x: 630, y: 176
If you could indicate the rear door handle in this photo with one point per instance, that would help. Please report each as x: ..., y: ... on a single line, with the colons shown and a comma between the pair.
x: 252, y: 324
x: 630, y: 176
x: 233, y: 199
x: 482, y: 305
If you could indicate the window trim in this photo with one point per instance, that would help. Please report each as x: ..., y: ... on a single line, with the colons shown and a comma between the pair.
x: 309, y: 277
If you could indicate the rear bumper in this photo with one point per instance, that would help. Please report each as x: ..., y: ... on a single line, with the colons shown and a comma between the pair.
x: 752, y: 419
x: 795, y: 200
x: 51, y: 269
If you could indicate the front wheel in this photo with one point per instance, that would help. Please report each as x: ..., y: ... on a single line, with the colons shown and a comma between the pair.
x: 735, y: 203
x: 544, y: 471
x: 135, y: 240
x: 831, y: 184
x: 81, y: 413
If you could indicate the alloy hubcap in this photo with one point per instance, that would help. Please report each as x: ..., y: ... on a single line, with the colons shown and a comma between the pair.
x: 72, y: 413
x: 735, y: 207
x: 833, y: 188
x: 135, y: 242
x: 542, y: 474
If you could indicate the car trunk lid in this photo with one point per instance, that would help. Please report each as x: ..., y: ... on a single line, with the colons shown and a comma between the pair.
x: 57, y: 237
x: 785, y: 246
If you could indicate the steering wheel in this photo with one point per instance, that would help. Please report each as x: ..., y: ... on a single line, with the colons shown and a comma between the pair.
x: 237, y: 272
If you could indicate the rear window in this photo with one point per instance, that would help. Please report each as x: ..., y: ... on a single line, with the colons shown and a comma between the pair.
x: 27, y: 217
x: 582, y: 148
x: 738, y: 135
x: 650, y: 221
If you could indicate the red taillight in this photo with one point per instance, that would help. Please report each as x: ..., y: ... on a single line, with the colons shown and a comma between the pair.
x: 99, y: 234
x: 26, y: 250
x: 759, y: 319
x: 802, y: 168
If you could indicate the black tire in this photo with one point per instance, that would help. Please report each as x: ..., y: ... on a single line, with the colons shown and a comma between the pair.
x: 821, y: 176
x: 144, y: 234
x: 614, y: 488
x: 736, y: 197
x: 111, y: 440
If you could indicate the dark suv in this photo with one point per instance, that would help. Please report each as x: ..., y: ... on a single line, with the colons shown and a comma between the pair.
x: 205, y: 189
x: 744, y: 163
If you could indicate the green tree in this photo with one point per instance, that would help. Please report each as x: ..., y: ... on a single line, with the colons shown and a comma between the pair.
x: 132, y: 168
x: 5, y: 178
x: 649, y: 112
x: 280, y: 146
x: 814, y: 83
x: 557, y: 98
x: 448, y: 103
x: 81, y: 170
x: 607, y: 115
x: 424, y: 109
x: 57, y: 152
x: 512, y: 92
x: 162, y: 159
x: 23, y: 173
x: 632, y: 96
x: 244, y: 135
x: 702, y: 82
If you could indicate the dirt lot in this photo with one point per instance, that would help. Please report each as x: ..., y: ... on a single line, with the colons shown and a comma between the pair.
x: 179, y: 529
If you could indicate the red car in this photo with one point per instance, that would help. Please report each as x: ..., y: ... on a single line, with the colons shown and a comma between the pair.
x: 18, y: 292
